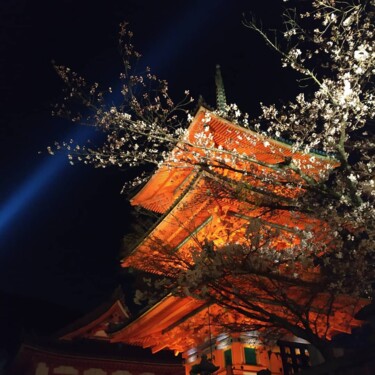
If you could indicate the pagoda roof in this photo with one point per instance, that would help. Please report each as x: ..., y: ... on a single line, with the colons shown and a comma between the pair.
x: 195, y: 217
x: 228, y: 140
x: 182, y: 323
x: 152, y: 327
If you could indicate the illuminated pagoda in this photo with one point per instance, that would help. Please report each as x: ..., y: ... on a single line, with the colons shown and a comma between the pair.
x: 195, y: 210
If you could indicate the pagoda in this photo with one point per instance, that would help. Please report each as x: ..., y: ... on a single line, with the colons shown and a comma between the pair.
x: 197, y: 206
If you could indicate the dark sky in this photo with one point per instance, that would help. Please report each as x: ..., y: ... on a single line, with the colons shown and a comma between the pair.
x: 61, y: 226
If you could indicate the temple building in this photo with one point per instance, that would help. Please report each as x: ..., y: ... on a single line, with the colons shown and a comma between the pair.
x: 83, y: 348
x: 53, y: 357
x: 193, y: 212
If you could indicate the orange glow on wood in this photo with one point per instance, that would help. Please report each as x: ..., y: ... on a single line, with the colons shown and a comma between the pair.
x: 196, y: 209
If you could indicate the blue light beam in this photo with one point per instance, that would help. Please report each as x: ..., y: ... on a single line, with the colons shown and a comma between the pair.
x: 38, y: 180
x: 168, y: 46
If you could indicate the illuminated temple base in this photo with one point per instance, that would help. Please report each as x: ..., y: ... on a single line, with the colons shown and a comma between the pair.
x: 236, y: 357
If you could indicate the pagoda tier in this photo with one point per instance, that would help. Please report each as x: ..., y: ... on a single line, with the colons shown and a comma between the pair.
x: 160, y: 326
x: 180, y: 324
x: 213, y: 142
x: 197, y: 218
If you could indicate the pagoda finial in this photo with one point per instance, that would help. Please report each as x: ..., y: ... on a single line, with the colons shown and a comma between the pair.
x: 221, y: 100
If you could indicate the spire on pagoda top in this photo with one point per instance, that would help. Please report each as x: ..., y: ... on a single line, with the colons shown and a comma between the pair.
x: 221, y: 100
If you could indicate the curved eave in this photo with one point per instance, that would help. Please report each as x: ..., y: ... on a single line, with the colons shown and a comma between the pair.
x: 87, y: 324
x: 159, y: 318
x: 152, y: 233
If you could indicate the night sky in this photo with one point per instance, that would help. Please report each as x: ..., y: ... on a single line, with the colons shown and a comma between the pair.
x: 61, y: 226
